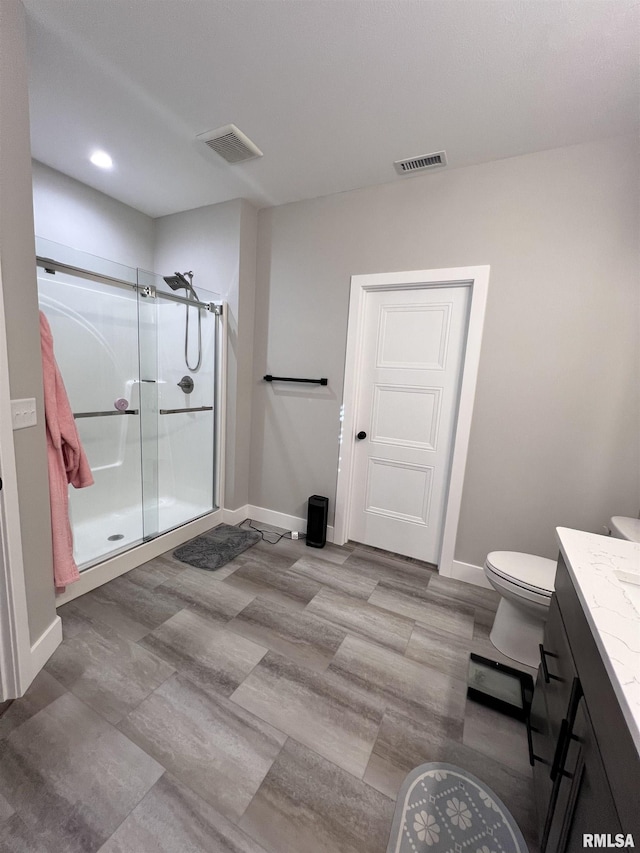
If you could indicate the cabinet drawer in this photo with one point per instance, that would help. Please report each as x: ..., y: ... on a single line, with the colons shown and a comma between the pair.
x: 556, y: 686
x: 584, y: 801
x: 556, y: 667
x: 541, y: 748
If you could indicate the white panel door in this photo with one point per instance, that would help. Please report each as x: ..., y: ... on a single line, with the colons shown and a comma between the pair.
x: 410, y: 368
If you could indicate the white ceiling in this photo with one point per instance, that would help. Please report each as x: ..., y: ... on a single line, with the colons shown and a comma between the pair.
x: 332, y: 91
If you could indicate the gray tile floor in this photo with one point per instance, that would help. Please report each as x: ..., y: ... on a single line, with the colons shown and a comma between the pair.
x: 273, y: 706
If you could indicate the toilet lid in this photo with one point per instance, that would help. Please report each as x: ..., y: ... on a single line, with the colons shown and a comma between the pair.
x: 537, y: 573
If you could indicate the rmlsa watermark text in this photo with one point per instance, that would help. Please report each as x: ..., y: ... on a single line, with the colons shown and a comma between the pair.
x: 603, y: 839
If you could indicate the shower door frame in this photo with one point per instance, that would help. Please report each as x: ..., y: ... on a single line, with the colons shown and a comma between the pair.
x: 122, y: 562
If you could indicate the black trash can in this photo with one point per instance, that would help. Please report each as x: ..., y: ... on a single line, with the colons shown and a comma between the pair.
x: 317, y: 512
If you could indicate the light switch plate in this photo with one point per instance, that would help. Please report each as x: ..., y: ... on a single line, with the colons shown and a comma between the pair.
x: 23, y: 413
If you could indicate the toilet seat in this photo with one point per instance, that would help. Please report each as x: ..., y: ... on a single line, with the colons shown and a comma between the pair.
x: 526, y: 571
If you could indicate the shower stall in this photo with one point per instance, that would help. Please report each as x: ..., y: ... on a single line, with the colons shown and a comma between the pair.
x: 140, y: 361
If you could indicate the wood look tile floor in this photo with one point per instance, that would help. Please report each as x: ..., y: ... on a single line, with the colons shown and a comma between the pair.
x: 274, y: 706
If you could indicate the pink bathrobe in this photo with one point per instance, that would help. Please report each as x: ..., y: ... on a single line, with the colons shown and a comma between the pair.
x: 67, y: 460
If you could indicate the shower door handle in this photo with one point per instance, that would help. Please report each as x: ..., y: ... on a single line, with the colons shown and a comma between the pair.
x: 106, y: 414
x: 192, y: 409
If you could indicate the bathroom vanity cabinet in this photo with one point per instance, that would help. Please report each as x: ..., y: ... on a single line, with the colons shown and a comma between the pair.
x: 584, y: 737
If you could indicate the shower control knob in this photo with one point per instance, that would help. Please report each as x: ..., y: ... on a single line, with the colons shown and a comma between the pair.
x: 186, y: 383
x: 362, y: 434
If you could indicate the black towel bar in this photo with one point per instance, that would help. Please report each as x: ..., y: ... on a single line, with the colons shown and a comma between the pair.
x: 270, y: 378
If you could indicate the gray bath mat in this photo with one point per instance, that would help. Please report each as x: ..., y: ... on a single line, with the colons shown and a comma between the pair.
x: 216, y: 547
x: 443, y: 809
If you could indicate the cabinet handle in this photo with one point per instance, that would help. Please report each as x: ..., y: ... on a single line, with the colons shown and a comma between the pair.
x: 532, y: 756
x: 543, y: 663
x: 558, y: 758
x: 566, y: 732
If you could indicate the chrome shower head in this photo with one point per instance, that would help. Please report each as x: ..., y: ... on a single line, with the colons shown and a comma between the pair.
x: 177, y: 281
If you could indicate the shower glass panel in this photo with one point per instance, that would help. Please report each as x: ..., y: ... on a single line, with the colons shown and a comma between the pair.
x: 178, y: 453
x: 94, y: 326
x: 119, y: 337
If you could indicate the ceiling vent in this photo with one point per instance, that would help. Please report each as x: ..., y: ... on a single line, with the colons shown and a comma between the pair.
x: 230, y: 143
x: 420, y: 164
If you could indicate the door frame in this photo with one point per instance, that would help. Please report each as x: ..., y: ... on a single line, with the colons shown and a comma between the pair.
x: 477, y: 279
x: 16, y: 664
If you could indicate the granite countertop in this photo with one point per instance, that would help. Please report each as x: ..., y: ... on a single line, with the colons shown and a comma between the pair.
x: 603, y: 570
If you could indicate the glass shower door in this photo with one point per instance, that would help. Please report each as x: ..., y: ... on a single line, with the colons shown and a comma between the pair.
x: 94, y: 326
x: 178, y: 415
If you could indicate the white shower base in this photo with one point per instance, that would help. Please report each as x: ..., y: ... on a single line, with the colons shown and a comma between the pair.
x: 91, y: 543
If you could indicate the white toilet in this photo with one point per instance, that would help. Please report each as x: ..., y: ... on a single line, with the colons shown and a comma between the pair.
x: 625, y: 528
x: 526, y: 583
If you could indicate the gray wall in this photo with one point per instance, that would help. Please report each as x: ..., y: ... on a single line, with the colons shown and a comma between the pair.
x: 17, y: 268
x: 218, y: 243
x: 69, y: 212
x: 554, y: 438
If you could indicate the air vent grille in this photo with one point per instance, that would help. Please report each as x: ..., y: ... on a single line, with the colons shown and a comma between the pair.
x: 419, y: 164
x: 231, y: 144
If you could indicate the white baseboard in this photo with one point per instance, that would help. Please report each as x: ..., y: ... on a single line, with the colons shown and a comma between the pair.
x: 45, y: 646
x: 469, y: 573
x: 235, y: 516
x: 278, y: 519
x: 281, y: 519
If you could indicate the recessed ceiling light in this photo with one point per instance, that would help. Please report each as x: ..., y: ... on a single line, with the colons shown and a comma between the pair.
x: 101, y: 159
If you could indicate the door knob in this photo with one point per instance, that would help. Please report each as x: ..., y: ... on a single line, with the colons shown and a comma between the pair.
x: 362, y: 434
